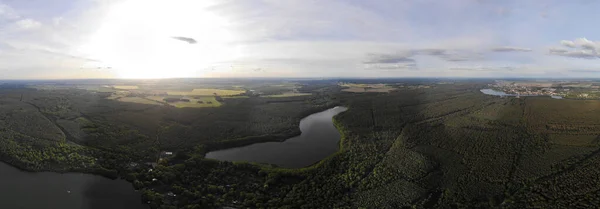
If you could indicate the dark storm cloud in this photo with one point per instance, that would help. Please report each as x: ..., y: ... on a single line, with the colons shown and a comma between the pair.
x: 186, y: 39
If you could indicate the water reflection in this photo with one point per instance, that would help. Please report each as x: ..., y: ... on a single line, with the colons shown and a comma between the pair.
x: 25, y: 190
x: 502, y: 94
x: 318, y: 140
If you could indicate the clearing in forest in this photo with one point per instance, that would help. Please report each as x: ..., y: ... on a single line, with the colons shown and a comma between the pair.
x: 206, y: 92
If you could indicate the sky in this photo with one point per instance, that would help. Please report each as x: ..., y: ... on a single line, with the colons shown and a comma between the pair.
x: 70, y: 39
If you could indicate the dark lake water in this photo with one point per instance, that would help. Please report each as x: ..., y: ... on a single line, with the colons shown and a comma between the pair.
x: 25, y: 190
x: 318, y: 140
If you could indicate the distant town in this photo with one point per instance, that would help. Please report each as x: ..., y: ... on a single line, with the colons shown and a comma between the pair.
x: 565, y: 89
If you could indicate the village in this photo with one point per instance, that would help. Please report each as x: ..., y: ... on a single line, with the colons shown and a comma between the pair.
x: 554, y: 89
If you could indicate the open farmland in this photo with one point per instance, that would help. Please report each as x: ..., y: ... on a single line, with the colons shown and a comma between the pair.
x: 206, y: 92
x: 126, y: 87
x: 197, y: 102
x: 139, y: 100
x: 289, y: 94
x: 183, y: 101
x: 362, y: 88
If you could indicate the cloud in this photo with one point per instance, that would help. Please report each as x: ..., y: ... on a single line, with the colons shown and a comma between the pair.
x: 482, y: 69
x: 405, y: 59
x: 7, y: 12
x: 510, y: 49
x: 450, y: 55
x: 434, y: 52
x: 28, y: 24
x: 397, y: 61
x: 582, y: 43
x: 578, y: 48
x: 391, y: 66
x: 387, y: 59
x: 557, y: 50
x: 290, y: 38
x: 186, y: 39
x: 460, y: 57
x: 566, y: 43
x: 579, y: 54
x: 585, y: 71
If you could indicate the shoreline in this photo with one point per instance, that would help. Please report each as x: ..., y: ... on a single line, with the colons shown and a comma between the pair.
x: 249, y: 140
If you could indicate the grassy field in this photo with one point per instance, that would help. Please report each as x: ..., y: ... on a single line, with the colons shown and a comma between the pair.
x: 362, y: 88
x: 574, y: 140
x: 197, y: 102
x: 206, y: 92
x: 138, y: 100
x: 126, y: 87
x: 235, y: 97
x: 291, y: 94
x: 206, y: 102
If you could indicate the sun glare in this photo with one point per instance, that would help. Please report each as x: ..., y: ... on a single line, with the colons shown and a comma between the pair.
x: 136, y: 39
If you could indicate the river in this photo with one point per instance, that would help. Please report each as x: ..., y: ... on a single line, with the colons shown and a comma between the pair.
x: 41, y: 190
x: 319, y: 139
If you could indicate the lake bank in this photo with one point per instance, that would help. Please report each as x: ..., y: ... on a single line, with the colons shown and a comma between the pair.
x: 503, y: 94
x: 319, y: 138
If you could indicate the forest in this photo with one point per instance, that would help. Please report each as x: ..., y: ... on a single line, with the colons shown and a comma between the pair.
x: 444, y: 146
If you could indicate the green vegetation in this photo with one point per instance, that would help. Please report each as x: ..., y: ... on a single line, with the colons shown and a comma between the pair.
x: 206, y: 92
x: 440, y: 146
x: 181, y: 102
x: 289, y: 94
x: 199, y: 102
x: 361, y: 87
x: 126, y: 87
x: 138, y: 100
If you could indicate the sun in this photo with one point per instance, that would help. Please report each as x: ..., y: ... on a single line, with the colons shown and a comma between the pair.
x: 136, y: 39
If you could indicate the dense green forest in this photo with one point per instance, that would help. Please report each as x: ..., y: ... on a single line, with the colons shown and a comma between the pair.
x: 444, y: 146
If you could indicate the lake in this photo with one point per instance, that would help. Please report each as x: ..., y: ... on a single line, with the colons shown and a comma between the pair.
x: 495, y: 93
x: 319, y: 139
x: 26, y: 190
x: 502, y: 94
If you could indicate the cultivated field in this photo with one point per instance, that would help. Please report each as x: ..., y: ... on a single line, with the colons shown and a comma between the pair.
x: 206, y: 92
x: 362, y: 88
x: 194, y: 102
x: 138, y: 100
x: 290, y: 94
x: 126, y: 87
